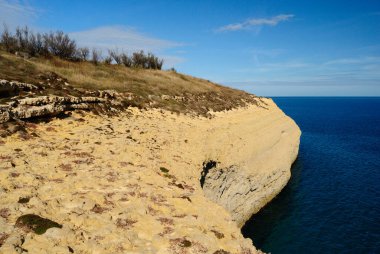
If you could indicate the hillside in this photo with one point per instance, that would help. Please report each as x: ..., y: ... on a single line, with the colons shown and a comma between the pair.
x: 149, y: 88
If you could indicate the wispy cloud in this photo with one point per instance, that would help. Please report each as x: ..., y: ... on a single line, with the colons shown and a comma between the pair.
x: 14, y: 13
x: 310, y: 87
x: 127, y: 40
x: 351, y: 61
x: 170, y: 61
x: 276, y: 67
x: 253, y: 22
x: 259, y: 54
x: 348, y: 72
x: 122, y: 38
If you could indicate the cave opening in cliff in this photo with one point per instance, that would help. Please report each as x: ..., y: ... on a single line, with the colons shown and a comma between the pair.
x: 207, y: 165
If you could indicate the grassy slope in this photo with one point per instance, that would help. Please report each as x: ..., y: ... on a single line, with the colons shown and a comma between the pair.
x: 148, y: 85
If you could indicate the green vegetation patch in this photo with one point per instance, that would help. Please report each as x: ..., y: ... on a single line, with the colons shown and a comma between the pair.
x: 24, y: 200
x: 35, y: 223
x: 164, y: 170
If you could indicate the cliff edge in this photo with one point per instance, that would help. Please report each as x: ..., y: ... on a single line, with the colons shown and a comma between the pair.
x: 132, y: 183
x: 249, y: 159
x: 122, y: 171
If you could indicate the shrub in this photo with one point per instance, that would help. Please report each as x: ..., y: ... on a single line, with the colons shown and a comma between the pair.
x: 22, y: 38
x: 24, y: 41
x: 8, y: 41
x: 37, y: 46
x: 149, y: 61
x: 115, y: 56
x: 59, y: 44
x: 153, y: 62
x: 126, y: 60
x: 139, y: 59
x: 83, y: 53
x: 107, y: 60
x: 96, y: 56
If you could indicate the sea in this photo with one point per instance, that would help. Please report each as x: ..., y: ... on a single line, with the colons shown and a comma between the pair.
x: 332, y: 201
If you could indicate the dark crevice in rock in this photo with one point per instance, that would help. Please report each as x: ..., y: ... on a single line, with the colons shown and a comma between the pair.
x: 47, y: 118
x: 207, y: 165
x: 70, y: 249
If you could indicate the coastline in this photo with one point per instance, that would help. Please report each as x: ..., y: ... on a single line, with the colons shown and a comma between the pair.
x: 251, y: 174
x: 131, y: 182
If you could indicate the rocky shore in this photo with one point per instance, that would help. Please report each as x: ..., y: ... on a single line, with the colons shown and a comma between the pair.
x: 141, y: 181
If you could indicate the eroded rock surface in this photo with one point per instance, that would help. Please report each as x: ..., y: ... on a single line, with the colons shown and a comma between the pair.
x: 22, y: 101
x: 254, y: 164
x: 131, y: 183
x: 10, y: 88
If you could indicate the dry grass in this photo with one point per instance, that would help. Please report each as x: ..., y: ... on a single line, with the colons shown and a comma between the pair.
x: 196, y: 94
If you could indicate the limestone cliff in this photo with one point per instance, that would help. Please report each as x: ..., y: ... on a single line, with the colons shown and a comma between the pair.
x: 143, y: 181
x: 252, y: 157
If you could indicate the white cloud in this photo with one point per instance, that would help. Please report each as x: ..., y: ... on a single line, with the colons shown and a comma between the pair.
x: 276, y: 66
x: 231, y: 27
x: 127, y: 40
x: 16, y: 13
x: 171, y: 61
x: 122, y: 38
x: 345, y: 72
x: 359, y: 60
x: 273, y: 21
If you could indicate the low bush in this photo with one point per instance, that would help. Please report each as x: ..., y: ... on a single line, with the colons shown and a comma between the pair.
x: 83, y: 53
x: 95, y: 59
x: 25, y: 42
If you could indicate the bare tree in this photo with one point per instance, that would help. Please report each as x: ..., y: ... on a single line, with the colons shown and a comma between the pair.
x: 153, y: 62
x: 126, y: 60
x: 38, y: 47
x: 107, y: 60
x: 139, y: 59
x: 96, y: 56
x: 59, y: 44
x: 8, y: 41
x: 115, y: 56
x: 83, y: 53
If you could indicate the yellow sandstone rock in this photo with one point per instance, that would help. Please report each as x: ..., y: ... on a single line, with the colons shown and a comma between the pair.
x: 131, y: 183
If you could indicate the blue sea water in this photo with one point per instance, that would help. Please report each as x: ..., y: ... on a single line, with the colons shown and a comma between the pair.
x: 332, y: 201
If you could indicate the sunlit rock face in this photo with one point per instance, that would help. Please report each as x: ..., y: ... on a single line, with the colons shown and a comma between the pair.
x: 132, y: 183
x: 253, y: 156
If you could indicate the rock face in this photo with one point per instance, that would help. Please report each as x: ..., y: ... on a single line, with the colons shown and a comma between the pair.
x: 253, y: 164
x: 9, y: 88
x: 49, y: 106
x: 24, y: 101
x: 144, y: 181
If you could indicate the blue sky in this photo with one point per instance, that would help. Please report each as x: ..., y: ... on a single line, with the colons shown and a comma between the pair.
x: 270, y: 48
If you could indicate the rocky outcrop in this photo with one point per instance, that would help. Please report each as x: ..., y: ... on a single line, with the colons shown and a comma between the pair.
x: 50, y: 105
x: 45, y: 106
x: 4, y: 113
x: 9, y: 88
x: 252, y: 163
x: 143, y: 181
x: 24, y: 101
